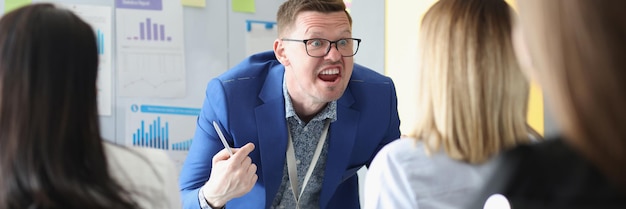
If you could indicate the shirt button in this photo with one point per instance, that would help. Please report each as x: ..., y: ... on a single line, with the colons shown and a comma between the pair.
x: 306, y: 128
x: 298, y: 162
x: 282, y: 206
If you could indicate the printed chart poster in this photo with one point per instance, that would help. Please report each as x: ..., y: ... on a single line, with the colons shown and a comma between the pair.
x: 99, y: 17
x: 150, y: 48
x: 260, y: 36
x: 167, y: 128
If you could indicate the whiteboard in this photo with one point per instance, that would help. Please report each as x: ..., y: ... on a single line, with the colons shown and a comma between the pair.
x: 214, y: 41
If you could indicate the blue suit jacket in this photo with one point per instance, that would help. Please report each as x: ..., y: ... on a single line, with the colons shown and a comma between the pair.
x: 247, y: 101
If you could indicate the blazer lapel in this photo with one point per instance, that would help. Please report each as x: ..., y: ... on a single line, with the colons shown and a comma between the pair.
x: 272, y: 133
x: 341, y: 141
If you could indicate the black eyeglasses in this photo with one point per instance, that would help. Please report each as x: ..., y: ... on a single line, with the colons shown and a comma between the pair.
x: 319, y: 47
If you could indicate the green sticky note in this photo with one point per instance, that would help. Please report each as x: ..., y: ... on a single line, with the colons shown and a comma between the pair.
x: 243, y: 6
x: 10, y: 5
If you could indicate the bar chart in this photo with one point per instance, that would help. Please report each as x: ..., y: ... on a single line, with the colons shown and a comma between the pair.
x: 151, y: 52
x: 150, y: 31
x: 155, y: 135
x: 182, y: 146
x: 100, y: 40
x: 161, y: 127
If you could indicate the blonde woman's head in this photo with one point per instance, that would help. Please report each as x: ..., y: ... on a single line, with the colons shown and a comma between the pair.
x: 472, y: 96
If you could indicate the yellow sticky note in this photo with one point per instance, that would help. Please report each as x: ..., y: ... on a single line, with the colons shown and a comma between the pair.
x: 14, y: 4
x: 243, y: 6
x: 194, y: 3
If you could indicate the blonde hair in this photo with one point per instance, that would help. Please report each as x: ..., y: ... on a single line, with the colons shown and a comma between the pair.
x: 472, y: 96
x: 578, y: 49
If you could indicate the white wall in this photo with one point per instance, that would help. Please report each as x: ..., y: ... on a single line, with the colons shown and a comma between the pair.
x: 401, y: 53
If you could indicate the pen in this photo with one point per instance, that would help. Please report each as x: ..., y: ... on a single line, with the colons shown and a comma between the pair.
x: 219, y: 132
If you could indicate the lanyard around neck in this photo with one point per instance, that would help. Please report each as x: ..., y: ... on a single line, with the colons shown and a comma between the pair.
x: 293, y: 167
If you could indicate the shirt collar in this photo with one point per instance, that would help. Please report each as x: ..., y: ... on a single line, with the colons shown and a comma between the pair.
x: 330, y: 111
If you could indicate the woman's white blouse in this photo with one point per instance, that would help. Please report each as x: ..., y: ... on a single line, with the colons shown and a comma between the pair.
x: 148, y: 174
x: 403, y: 176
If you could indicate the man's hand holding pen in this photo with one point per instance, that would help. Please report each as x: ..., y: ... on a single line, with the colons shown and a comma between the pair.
x: 231, y: 176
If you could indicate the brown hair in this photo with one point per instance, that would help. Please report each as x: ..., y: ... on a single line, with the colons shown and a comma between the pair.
x: 578, y: 49
x: 472, y: 94
x: 289, y: 10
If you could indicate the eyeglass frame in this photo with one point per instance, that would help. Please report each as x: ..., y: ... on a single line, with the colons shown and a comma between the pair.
x: 358, y: 44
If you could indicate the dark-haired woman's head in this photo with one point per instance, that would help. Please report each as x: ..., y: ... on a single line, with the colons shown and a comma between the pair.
x: 51, y: 154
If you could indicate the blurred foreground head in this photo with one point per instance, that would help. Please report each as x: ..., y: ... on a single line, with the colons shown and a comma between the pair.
x: 576, y: 49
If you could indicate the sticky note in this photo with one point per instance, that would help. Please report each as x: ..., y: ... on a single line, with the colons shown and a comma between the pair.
x: 243, y: 6
x: 194, y: 3
x: 14, y: 4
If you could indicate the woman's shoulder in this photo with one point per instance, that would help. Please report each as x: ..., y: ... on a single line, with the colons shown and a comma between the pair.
x: 148, y: 174
x: 404, y: 147
x: 136, y: 155
x: 549, y: 161
x: 551, y: 174
x: 401, y: 153
x: 138, y: 164
x: 148, y: 162
x: 549, y: 155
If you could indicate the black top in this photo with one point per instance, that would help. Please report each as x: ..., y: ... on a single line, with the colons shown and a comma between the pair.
x: 551, y: 174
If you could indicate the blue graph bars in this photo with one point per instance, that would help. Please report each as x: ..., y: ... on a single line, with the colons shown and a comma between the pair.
x: 151, y: 31
x: 182, y: 146
x: 156, y: 136
x: 100, y: 39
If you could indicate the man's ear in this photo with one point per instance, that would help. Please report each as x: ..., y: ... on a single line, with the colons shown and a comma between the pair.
x: 279, y: 52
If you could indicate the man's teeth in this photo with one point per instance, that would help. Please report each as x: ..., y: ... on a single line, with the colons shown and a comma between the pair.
x: 330, y: 71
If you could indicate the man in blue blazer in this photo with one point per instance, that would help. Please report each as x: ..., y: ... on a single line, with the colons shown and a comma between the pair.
x: 305, y: 116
